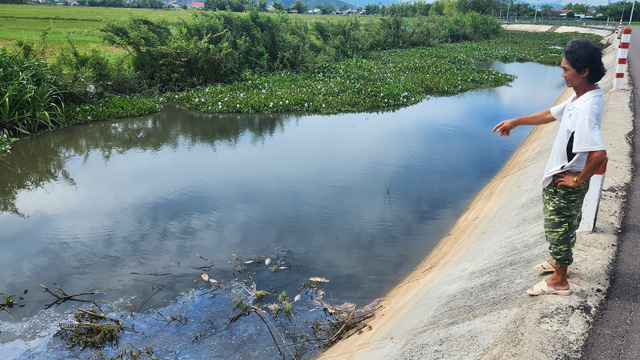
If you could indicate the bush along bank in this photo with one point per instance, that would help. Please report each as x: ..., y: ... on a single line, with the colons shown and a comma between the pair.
x: 385, y: 80
x: 230, y: 63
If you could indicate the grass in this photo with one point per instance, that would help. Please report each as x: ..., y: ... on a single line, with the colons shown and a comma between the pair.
x: 79, y: 24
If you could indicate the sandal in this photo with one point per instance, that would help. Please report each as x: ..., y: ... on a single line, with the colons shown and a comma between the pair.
x: 542, y: 288
x: 544, y: 267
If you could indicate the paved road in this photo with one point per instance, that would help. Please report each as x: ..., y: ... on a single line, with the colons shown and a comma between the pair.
x: 616, y: 330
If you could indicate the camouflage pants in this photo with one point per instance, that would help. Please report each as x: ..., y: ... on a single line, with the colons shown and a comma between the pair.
x: 562, y: 214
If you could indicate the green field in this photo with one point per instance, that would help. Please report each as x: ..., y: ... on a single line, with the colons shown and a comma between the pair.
x: 79, y: 24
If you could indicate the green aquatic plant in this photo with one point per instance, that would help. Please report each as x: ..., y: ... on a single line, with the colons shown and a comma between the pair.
x: 9, y: 301
x: 5, y: 143
x: 110, y: 108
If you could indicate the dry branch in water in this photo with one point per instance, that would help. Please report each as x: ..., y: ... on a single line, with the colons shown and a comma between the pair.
x: 61, y: 295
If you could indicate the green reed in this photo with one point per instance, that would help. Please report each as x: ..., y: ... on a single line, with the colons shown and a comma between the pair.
x: 29, y: 100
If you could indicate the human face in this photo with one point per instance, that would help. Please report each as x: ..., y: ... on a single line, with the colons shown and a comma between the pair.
x: 572, y: 77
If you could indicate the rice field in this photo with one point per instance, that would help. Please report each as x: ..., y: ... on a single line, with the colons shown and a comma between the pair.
x: 62, y: 23
x: 81, y: 24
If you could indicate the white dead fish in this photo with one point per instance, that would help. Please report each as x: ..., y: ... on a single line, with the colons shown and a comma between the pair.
x: 213, y: 281
x: 298, y: 297
x: 319, y: 279
x: 249, y: 262
x: 282, y: 268
x: 267, y: 262
x: 205, y: 277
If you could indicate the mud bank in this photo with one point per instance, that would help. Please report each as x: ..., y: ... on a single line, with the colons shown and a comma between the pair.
x: 467, y: 300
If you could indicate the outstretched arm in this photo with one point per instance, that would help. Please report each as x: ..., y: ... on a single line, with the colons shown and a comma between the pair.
x: 541, y: 117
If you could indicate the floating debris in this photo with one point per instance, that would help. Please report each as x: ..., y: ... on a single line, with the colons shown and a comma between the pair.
x: 205, y: 277
x: 267, y: 262
x: 319, y: 279
x: 298, y: 297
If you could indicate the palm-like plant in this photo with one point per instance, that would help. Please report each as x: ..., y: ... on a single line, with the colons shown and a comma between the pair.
x: 29, y: 100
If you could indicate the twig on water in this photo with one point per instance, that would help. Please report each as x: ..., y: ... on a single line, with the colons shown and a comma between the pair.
x: 62, y: 296
x: 206, y: 267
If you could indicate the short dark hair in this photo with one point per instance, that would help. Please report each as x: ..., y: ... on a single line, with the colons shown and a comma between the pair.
x: 583, y: 54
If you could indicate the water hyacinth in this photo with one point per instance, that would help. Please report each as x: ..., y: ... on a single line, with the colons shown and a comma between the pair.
x: 383, y: 80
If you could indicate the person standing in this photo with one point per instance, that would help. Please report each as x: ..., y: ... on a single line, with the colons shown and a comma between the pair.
x: 577, y: 154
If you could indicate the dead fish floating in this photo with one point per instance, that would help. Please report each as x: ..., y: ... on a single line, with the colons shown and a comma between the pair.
x: 319, y: 279
x: 267, y: 262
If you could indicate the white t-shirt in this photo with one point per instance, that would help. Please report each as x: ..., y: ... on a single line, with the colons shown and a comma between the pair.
x: 578, y: 135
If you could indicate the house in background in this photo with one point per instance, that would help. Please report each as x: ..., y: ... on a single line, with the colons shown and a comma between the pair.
x: 197, y: 5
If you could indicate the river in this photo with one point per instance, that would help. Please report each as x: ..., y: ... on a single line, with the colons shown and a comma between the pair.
x: 134, y: 208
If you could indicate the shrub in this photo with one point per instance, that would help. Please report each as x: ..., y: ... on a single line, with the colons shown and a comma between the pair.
x: 93, y: 74
x: 29, y: 100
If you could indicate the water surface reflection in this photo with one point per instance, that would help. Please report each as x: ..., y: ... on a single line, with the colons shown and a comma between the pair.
x: 360, y: 199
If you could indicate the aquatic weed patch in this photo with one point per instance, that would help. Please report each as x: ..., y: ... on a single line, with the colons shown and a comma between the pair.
x: 91, y: 329
x: 520, y: 46
x: 388, y: 79
x: 384, y: 80
x: 111, y: 108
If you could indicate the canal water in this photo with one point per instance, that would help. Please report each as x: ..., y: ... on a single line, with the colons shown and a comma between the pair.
x: 138, y: 209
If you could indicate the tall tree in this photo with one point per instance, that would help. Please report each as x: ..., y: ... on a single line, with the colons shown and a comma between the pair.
x: 300, y: 7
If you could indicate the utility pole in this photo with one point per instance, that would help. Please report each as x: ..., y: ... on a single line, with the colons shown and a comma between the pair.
x: 631, y: 16
x: 535, y: 16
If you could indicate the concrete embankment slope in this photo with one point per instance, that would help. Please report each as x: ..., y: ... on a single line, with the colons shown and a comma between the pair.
x: 467, y: 300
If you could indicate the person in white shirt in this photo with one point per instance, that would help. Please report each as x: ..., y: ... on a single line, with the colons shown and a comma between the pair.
x: 577, y: 154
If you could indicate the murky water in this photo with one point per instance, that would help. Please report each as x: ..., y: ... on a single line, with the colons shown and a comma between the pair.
x: 126, y: 207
